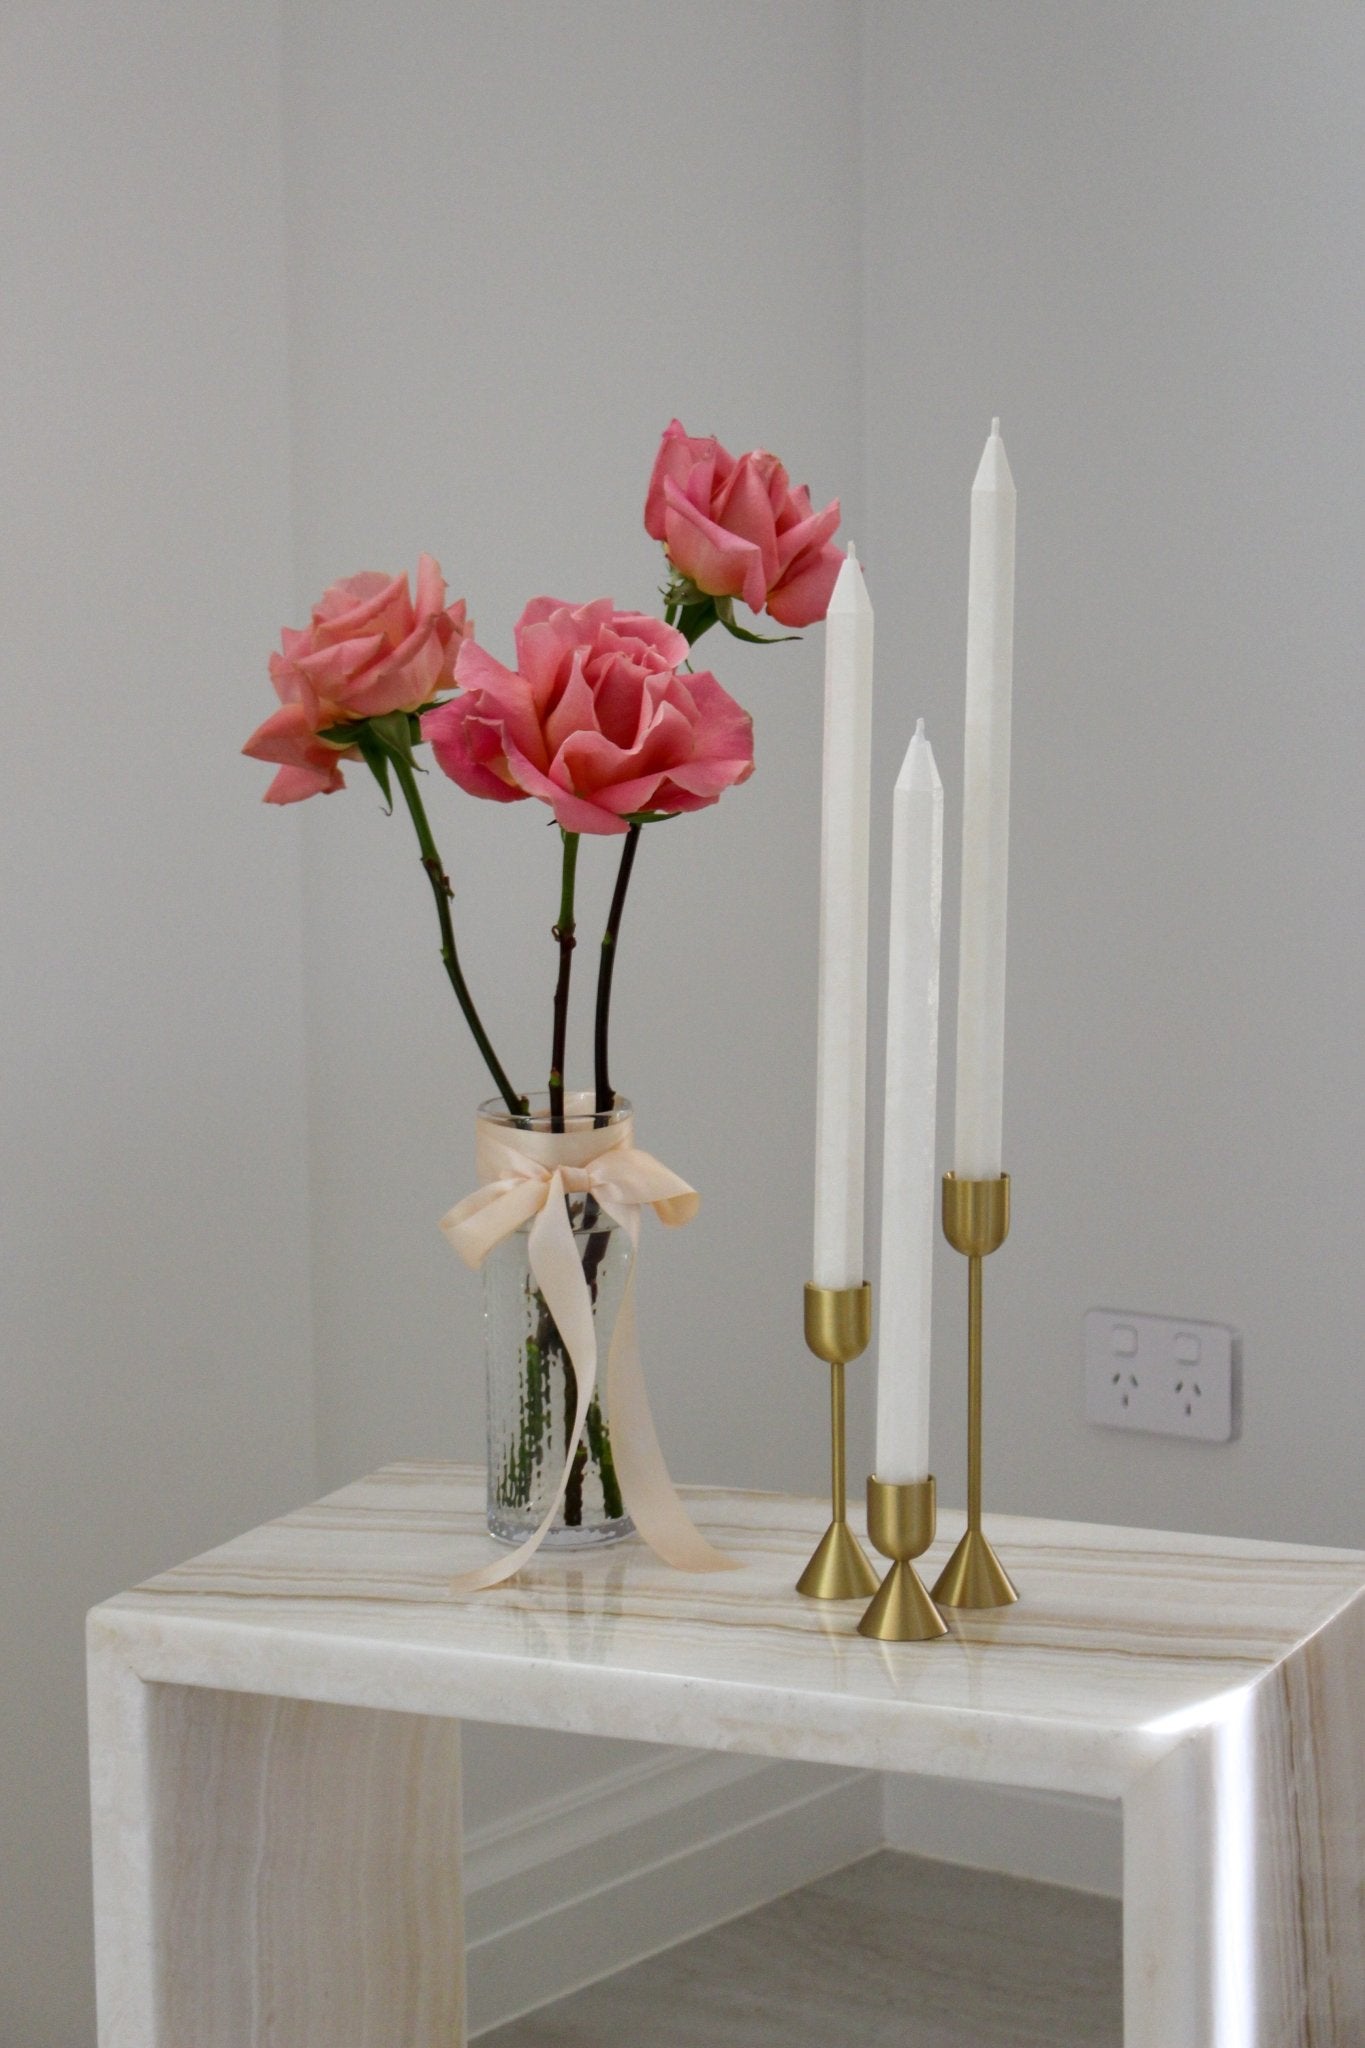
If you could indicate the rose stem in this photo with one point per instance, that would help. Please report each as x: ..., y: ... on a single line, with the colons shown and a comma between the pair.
x: 605, y: 1103
x: 564, y: 937
x: 692, y: 628
x: 442, y: 891
x: 606, y: 1094
x: 564, y: 934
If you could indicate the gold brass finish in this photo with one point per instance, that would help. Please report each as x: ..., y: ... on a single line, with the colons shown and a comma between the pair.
x: 838, y: 1570
x: 976, y: 1214
x: 838, y: 1329
x: 900, y: 1521
x: 974, y: 1576
x: 839, y: 1322
x: 976, y: 1221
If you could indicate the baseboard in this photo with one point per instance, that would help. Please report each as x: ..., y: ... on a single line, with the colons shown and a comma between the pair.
x: 574, y: 1889
x: 1053, y: 1837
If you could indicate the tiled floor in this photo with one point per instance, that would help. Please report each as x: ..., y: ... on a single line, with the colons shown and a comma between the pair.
x: 891, y: 1953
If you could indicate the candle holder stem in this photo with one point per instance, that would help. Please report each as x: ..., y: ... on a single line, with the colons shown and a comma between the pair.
x: 975, y: 1347
x: 838, y: 1329
x: 838, y: 1477
x: 976, y: 1221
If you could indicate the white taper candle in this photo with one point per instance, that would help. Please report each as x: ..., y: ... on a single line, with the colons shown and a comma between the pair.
x: 985, y: 819
x: 841, y: 1047
x: 909, y: 1180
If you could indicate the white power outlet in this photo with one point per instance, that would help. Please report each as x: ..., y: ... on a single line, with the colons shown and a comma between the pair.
x: 1154, y: 1373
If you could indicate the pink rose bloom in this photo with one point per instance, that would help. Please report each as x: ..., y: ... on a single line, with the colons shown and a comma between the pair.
x: 367, y: 650
x: 737, y: 528
x: 596, y: 720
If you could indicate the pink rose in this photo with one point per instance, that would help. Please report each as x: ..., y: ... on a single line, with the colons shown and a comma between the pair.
x: 596, y: 720
x: 737, y: 528
x: 366, y: 651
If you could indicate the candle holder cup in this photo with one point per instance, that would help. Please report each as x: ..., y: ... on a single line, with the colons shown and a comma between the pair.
x: 900, y: 1521
x: 976, y: 1222
x: 838, y: 1329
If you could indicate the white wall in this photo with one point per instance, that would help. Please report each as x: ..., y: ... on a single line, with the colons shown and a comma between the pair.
x: 1136, y: 235
x: 154, y: 1376
x: 499, y: 298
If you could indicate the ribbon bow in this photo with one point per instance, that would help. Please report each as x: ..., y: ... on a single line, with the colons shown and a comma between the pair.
x: 526, y: 1177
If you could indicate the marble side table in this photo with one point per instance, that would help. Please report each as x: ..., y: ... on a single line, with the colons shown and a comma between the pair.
x: 275, y: 1749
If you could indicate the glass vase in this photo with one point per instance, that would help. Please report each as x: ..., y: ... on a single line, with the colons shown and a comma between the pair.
x: 532, y: 1386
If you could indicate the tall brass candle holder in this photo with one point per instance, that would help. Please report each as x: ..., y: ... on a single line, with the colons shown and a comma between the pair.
x: 838, y: 1329
x: 900, y: 1521
x: 976, y: 1222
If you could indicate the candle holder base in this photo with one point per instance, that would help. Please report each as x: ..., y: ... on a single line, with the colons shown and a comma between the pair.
x: 902, y: 1611
x: 838, y: 1570
x: 974, y: 1576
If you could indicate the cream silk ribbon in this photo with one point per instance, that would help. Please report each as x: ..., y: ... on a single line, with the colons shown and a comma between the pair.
x: 524, y: 1177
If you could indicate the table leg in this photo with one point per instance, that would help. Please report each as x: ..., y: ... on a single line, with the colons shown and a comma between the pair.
x: 1244, y: 1866
x: 272, y: 1873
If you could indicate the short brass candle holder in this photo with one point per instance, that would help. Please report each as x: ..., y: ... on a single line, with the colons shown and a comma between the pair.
x: 976, y: 1222
x: 900, y: 1521
x: 838, y: 1329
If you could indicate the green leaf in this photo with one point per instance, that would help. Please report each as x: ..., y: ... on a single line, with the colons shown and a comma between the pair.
x: 394, y: 729
x: 757, y: 639
x: 696, y: 619
x: 681, y: 592
x: 651, y: 817
x: 725, y: 612
x: 376, y: 758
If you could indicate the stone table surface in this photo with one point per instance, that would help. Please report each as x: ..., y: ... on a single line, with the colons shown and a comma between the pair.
x: 1213, y: 1685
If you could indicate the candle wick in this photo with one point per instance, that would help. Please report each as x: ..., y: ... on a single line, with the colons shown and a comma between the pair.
x: 852, y: 552
x: 919, y: 728
x: 995, y: 427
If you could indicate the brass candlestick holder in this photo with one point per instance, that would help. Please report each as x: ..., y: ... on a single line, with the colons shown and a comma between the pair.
x: 900, y: 1521
x: 838, y: 1329
x: 976, y: 1222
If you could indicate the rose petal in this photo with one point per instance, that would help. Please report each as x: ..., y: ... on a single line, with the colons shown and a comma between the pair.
x: 502, y: 695
x: 464, y: 746
x: 699, y: 463
x: 805, y: 536
x: 330, y: 669
x: 369, y: 600
x: 574, y: 711
x: 676, y: 802
x: 574, y: 813
x: 403, y: 680
x: 745, y: 507
x: 292, y: 785
x: 431, y: 588
x: 720, y: 563
x: 589, y: 763
x: 666, y: 642
x: 309, y: 767
x: 803, y: 596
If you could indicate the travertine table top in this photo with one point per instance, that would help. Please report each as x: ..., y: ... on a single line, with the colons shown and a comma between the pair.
x: 1124, y: 1641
